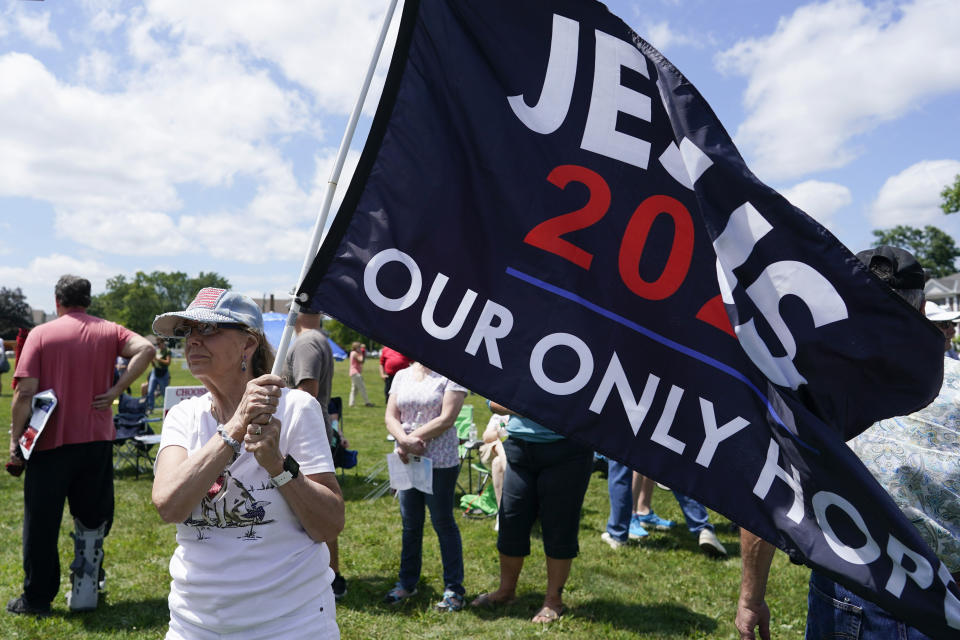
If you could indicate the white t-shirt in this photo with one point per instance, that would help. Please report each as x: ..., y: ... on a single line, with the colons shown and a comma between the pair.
x: 243, y: 558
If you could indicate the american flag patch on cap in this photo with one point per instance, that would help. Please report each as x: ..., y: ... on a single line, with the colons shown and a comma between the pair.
x: 207, y: 298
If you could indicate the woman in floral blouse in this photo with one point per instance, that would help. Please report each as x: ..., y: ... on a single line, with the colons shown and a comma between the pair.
x: 420, y: 414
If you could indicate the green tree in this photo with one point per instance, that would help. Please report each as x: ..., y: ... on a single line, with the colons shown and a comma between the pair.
x: 951, y: 197
x: 934, y: 249
x: 136, y: 302
x: 14, y: 312
x: 345, y: 336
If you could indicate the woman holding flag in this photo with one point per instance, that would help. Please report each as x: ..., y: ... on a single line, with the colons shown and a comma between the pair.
x: 246, y: 473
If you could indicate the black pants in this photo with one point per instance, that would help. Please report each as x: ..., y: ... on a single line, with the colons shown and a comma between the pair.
x: 387, y: 383
x: 545, y: 480
x: 80, y: 473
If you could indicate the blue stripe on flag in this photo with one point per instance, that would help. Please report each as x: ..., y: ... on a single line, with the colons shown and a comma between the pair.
x: 667, y: 342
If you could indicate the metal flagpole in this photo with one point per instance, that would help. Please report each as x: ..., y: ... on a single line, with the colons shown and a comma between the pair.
x: 331, y: 189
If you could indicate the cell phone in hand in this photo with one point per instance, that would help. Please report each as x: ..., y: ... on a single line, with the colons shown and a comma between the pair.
x: 16, y: 465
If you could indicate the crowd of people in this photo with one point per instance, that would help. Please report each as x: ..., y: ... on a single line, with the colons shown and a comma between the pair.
x: 246, y: 473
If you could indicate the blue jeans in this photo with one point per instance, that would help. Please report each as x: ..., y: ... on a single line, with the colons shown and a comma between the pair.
x: 833, y: 611
x: 620, y: 488
x: 156, y: 384
x: 693, y: 512
x: 619, y: 484
x: 412, y: 503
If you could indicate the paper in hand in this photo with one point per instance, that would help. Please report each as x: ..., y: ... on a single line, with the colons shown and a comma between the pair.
x: 416, y: 474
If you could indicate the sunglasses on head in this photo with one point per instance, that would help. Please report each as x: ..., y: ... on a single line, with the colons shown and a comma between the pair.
x: 186, y: 329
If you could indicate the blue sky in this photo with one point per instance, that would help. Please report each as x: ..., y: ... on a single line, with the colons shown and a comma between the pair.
x: 190, y: 136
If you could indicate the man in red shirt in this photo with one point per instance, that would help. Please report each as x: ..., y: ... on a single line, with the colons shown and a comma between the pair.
x: 390, y: 362
x: 73, y: 459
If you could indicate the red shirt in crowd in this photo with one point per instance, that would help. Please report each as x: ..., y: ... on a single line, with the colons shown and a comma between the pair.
x: 74, y: 355
x: 393, y: 361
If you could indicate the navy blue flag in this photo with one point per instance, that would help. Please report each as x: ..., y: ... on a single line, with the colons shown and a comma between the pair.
x: 547, y: 212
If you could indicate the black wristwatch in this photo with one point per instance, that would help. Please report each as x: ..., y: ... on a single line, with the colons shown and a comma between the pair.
x: 290, y: 471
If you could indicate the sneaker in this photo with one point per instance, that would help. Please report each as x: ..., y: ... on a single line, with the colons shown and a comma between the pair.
x: 653, y: 520
x: 20, y: 606
x: 339, y: 585
x: 390, y: 438
x: 636, y: 529
x: 452, y: 601
x: 397, y: 595
x: 613, y: 542
x: 710, y: 545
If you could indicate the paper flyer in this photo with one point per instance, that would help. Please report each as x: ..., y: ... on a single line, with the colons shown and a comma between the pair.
x: 43, y: 405
x: 416, y: 474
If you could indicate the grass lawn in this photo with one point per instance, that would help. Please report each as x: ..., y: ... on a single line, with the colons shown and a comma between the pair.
x: 664, y: 588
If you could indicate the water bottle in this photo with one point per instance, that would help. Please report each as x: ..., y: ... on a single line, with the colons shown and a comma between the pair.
x: 472, y: 433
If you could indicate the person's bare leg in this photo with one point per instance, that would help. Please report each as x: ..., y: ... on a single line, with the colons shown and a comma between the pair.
x: 642, y: 493
x: 558, y: 570
x: 497, y: 469
x: 334, y: 547
x: 510, y: 567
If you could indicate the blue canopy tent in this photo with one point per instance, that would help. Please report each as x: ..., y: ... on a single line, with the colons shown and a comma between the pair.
x: 273, y: 323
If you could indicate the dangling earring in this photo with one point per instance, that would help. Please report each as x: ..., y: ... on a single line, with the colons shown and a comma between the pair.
x: 243, y: 363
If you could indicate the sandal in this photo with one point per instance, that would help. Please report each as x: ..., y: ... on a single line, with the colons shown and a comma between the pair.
x: 452, y: 601
x: 397, y: 595
x: 484, y: 601
x: 549, y: 615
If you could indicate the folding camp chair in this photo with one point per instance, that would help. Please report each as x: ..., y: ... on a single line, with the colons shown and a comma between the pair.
x: 134, y: 438
x: 467, y: 433
x: 135, y: 442
x: 343, y: 458
x: 482, y: 504
x: 380, y: 487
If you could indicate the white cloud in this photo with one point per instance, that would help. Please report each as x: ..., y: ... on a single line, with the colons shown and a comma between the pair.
x: 38, y: 278
x: 322, y: 45
x: 277, y: 223
x: 195, y: 118
x: 835, y: 70
x: 278, y: 282
x: 279, y: 200
x: 912, y: 197
x: 141, y: 44
x: 105, y: 15
x: 96, y: 69
x: 239, y: 237
x: 202, y: 105
x: 662, y: 36
x: 820, y: 200
x: 34, y: 25
x: 131, y: 233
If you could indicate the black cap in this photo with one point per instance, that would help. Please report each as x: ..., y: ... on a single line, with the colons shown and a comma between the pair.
x: 896, y: 267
